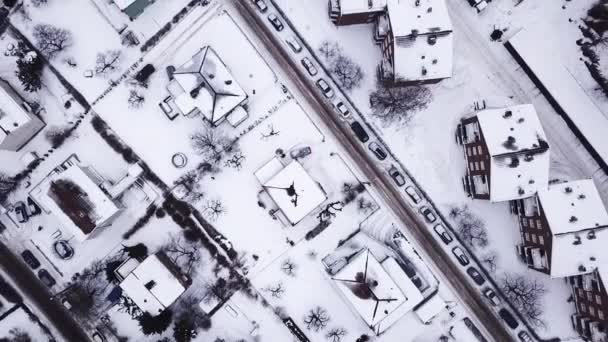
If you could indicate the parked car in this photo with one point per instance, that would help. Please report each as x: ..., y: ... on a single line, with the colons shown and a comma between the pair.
x: 293, y: 44
x: 325, y: 88
x: 98, y: 336
x: 524, y: 336
x: 475, y: 275
x: 309, y: 66
x: 66, y: 303
x: 46, y: 278
x: 459, y: 254
x: 396, y: 176
x: 342, y: 109
x: 443, y: 234
x: 508, y: 318
x: 359, y: 131
x: 21, y: 212
x: 410, y: 191
x: 261, y: 5
x: 301, y: 152
x: 275, y: 21
x: 30, y: 259
x: 491, y: 295
x: 428, y: 214
x: 378, y: 150
x: 145, y: 72
x: 63, y: 249
x: 32, y: 208
x: 478, y: 5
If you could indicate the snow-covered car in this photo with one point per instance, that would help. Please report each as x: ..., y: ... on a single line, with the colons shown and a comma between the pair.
x: 21, y: 212
x: 479, y: 5
x: 443, y: 233
x: 261, y: 5
x: 66, y: 303
x: 309, y: 66
x: 428, y: 214
x: 32, y: 207
x: 325, y: 88
x: 377, y: 150
x: 342, y: 109
x: 396, y: 176
x: 275, y: 21
x: 293, y: 44
x: 98, y: 336
x: 524, y: 336
x: 492, y: 297
x: 459, y: 254
x: 414, y: 196
x: 301, y: 152
x: 475, y: 275
x: 63, y: 249
x: 46, y: 278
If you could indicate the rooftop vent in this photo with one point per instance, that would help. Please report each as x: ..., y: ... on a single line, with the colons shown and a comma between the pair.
x: 531, y: 181
x: 520, y: 120
x: 568, y: 190
x: 528, y: 157
x: 591, y: 235
x: 434, y: 61
x: 509, y: 143
x: 520, y: 191
x: 581, y: 196
x: 149, y: 285
x: 507, y: 114
x: 228, y: 82
x: 514, y: 162
x: 582, y: 268
x: 432, y: 39
x: 573, y: 219
x: 211, y: 76
x: 592, y: 258
x: 424, y: 71
x: 429, y: 10
x: 577, y: 240
x: 414, y: 32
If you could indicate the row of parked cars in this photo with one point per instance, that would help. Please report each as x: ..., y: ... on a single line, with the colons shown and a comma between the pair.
x: 34, y: 264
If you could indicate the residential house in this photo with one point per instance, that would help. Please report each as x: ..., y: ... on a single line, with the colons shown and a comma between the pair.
x: 18, y: 124
x: 591, y: 303
x: 205, y: 86
x: 506, y: 153
x: 415, y: 36
x: 133, y: 8
x: 74, y: 193
x: 564, y: 229
x: 154, y: 284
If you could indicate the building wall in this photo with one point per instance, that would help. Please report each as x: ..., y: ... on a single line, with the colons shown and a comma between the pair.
x: 590, y: 301
x: 477, y: 158
x: 535, y: 233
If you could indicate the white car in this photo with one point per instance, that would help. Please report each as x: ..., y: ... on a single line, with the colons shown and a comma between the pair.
x: 413, y: 194
x: 293, y: 44
x: 491, y: 295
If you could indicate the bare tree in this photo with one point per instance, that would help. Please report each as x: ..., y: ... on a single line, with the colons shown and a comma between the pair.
x: 347, y: 73
x: 276, y: 290
x: 329, y: 211
x: 235, y: 161
x: 490, y: 259
x: 526, y: 294
x: 271, y: 133
x: 51, y: 40
x: 107, y: 62
x: 128, y: 306
x: 213, y: 209
x: 336, y: 334
x: 289, y: 267
x: 329, y: 50
x: 470, y: 228
x: 396, y: 105
x: 183, y: 254
x: 316, y: 319
x: 7, y: 185
x: 136, y: 100
x: 365, y: 206
x: 211, y: 144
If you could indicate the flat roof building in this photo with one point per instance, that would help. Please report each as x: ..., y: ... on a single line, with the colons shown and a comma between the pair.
x: 18, y: 125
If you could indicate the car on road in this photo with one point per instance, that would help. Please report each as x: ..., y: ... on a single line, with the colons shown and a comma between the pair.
x: 21, y: 212
x: 491, y: 295
x: 98, y: 336
x: 309, y: 66
x: 396, y: 176
x: 325, y: 88
x: 46, y: 278
x: 524, y: 336
x: 359, y: 131
x: 508, y: 318
x: 261, y: 5
x: 377, y: 150
x: 342, y: 110
x: 428, y: 214
x: 443, y: 233
x: 475, y: 275
x: 293, y: 44
x: 410, y: 191
x: 275, y: 21
x: 463, y: 259
x: 30, y: 259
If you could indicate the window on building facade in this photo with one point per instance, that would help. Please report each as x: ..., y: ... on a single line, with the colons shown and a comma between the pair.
x: 527, y: 236
x: 471, y: 166
x: 591, y: 310
x: 600, y: 314
x: 583, y: 307
x: 533, y: 238
x: 541, y: 240
x: 590, y: 296
x: 532, y: 223
x: 598, y: 299
x: 479, y: 150
x: 482, y: 165
x: 476, y: 165
x: 538, y: 224
x: 524, y: 222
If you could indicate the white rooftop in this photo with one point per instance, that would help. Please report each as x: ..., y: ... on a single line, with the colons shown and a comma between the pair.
x: 428, y: 16
x: 12, y: 115
x: 373, y: 292
x: 152, y: 286
x: 361, y: 6
x: 513, y: 175
x: 292, y: 188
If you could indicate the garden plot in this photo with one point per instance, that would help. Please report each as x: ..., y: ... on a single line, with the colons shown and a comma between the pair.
x: 90, y: 34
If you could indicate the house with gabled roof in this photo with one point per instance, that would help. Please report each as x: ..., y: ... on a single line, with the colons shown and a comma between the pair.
x: 18, y: 124
x: 506, y: 153
x: 204, y: 86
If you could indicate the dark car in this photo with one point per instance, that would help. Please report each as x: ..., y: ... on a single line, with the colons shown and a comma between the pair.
x: 475, y: 275
x: 378, y: 150
x: 410, y: 191
x: 46, y: 278
x: 359, y: 131
x: 301, y: 152
x: 275, y: 21
x: 33, y: 208
x: 21, y: 212
x: 396, y: 176
x: 145, y: 72
x: 309, y: 66
x: 459, y: 254
x: 524, y: 336
x: 508, y: 318
x: 261, y: 5
x: 428, y: 214
x: 443, y: 234
x: 30, y: 259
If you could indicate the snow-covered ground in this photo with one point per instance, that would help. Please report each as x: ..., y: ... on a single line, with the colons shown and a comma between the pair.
x: 19, y: 320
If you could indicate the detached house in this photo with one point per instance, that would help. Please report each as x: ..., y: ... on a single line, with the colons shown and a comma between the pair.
x: 506, y: 153
x: 18, y: 124
x: 415, y: 36
x: 564, y: 229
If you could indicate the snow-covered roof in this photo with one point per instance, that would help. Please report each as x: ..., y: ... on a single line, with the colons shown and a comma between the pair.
x: 292, y: 189
x: 424, y: 43
x: 12, y: 114
x: 519, y: 151
x: 374, y: 291
x: 361, y: 6
x: 152, y: 286
x: 207, y: 85
x: 575, y: 213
